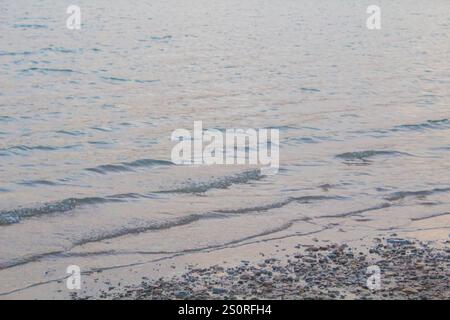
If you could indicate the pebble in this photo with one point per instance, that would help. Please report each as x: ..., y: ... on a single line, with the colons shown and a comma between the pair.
x: 218, y: 290
x: 405, y: 266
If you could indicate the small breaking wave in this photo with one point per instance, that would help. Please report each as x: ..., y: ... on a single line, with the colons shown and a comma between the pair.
x: 309, y: 140
x: 29, y: 148
x: 357, y: 212
x: 145, y: 227
x: 421, y: 193
x: 129, y: 166
x: 9, y: 217
x: 427, y: 125
x: 19, y: 149
x: 219, y: 183
x: 279, y: 204
x: 38, y: 182
x: 440, y: 124
x: 364, y: 156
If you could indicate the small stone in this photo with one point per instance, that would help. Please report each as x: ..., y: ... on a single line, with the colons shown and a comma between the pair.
x: 262, y: 265
x: 246, y: 276
x: 181, y: 294
x: 410, y: 290
x: 218, y: 291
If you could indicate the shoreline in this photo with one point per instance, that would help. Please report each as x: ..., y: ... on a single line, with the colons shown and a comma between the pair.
x: 316, y: 259
x: 409, y: 270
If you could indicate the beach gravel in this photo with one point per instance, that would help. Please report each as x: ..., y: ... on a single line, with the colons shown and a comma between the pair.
x: 408, y: 270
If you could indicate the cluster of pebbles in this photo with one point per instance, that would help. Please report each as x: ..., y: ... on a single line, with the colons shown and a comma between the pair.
x: 409, y: 270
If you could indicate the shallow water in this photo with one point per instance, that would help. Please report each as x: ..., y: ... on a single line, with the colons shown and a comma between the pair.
x: 86, y: 118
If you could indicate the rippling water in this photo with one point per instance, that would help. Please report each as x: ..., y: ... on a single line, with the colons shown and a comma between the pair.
x: 86, y: 118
